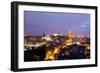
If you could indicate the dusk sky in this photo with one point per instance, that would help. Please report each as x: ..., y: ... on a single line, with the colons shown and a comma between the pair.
x: 35, y: 23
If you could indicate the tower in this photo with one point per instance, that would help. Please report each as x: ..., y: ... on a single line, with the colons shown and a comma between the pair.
x: 44, y: 34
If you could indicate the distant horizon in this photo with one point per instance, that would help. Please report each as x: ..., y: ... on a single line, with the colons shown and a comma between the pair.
x: 37, y: 23
x: 59, y: 35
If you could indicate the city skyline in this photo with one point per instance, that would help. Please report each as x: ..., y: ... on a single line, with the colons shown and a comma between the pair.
x: 35, y: 23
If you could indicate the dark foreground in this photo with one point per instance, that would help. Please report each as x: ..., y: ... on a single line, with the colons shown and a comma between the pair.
x: 45, y: 53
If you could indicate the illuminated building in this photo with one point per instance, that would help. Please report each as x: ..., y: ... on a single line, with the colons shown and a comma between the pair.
x: 47, y: 38
x: 55, y: 34
x: 69, y: 38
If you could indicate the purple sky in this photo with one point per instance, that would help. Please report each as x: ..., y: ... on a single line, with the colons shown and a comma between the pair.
x: 35, y: 23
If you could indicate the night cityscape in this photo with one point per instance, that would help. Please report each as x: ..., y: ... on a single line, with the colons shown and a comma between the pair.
x: 52, y: 36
